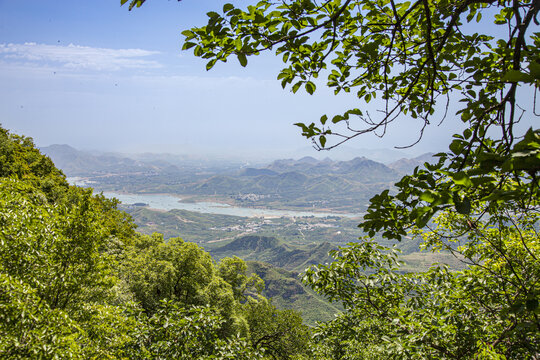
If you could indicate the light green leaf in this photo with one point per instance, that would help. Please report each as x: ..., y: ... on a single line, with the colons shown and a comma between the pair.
x: 461, y: 178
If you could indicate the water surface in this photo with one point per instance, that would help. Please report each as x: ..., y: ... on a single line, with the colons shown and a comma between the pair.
x: 170, y: 202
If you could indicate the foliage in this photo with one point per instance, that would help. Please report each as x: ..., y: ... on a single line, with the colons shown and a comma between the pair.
x: 410, y: 54
x: 491, y: 305
x: 52, y: 250
x: 178, y: 271
x: 177, y: 332
x: 77, y: 282
x: 156, y: 270
x: 30, y: 329
x: 461, y: 178
x: 279, y: 332
x: 233, y: 271
x: 19, y: 158
x: 286, y: 291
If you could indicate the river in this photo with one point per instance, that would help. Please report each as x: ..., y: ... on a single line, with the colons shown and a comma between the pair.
x: 170, y: 202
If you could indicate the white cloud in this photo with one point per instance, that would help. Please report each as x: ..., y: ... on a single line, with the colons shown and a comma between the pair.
x: 79, y: 57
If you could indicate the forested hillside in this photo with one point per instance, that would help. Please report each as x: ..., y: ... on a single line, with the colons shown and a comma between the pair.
x: 76, y: 281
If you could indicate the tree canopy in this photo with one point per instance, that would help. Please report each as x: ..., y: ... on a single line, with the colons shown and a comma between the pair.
x: 76, y: 280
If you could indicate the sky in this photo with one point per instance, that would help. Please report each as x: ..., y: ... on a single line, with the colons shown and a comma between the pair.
x: 96, y: 76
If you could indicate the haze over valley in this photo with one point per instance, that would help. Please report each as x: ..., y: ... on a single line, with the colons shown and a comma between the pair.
x: 287, y: 213
x: 306, y: 183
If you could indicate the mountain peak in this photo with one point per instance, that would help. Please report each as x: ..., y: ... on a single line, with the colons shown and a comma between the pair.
x: 308, y: 160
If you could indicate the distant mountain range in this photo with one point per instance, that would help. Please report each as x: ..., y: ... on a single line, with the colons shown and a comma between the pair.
x: 304, y: 183
x: 75, y: 162
x: 288, y: 184
x: 406, y: 166
x: 80, y: 163
x: 345, y: 152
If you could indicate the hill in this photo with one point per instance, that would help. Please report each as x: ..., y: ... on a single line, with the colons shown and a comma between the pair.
x: 405, y: 166
x: 77, y: 282
x: 287, y: 292
x: 301, y: 184
x: 275, y: 252
x: 80, y: 163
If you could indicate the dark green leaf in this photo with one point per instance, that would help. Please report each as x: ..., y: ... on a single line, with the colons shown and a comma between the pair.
x: 242, y: 59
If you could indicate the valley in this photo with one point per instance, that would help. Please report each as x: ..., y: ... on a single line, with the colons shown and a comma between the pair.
x: 306, y: 184
x: 281, y: 217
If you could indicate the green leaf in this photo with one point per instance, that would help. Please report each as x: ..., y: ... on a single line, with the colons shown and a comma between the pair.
x: 242, y: 59
x: 422, y: 220
x: 428, y: 196
x: 188, y: 45
x: 322, y: 140
x: 238, y: 43
x: 456, y: 146
x: 461, y: 178
x: 337, y: 119
x: 198, y: 51
x: 187, y: 33
x: 517, y: 76
x: 464, y: 207
x: 227, y: 7
x: 210, y: 64
x: 310, y: 87
x: 534, y: 69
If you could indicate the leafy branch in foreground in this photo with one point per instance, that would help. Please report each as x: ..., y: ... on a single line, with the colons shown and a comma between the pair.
x: 489, y: 310
x: 412, y: 56
x: 409, y: 54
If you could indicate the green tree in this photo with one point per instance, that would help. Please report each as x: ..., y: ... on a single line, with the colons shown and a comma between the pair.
x: 178, y: 332
x: 53, y: 250
x: 490, y: 308
x: 30, y: 329
x: 279, y: 333
x: 233, y: 271
x: 19, y: 158
x: 59, y: 248
x: 179, y: 271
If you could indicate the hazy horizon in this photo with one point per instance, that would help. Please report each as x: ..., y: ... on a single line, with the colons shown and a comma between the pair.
x: 342, y: 153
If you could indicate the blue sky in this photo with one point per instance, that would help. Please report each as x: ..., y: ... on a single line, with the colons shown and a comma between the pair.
x: 96, y: 76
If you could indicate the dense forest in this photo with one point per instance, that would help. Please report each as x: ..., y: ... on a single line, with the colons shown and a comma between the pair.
x: 77, y: 280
